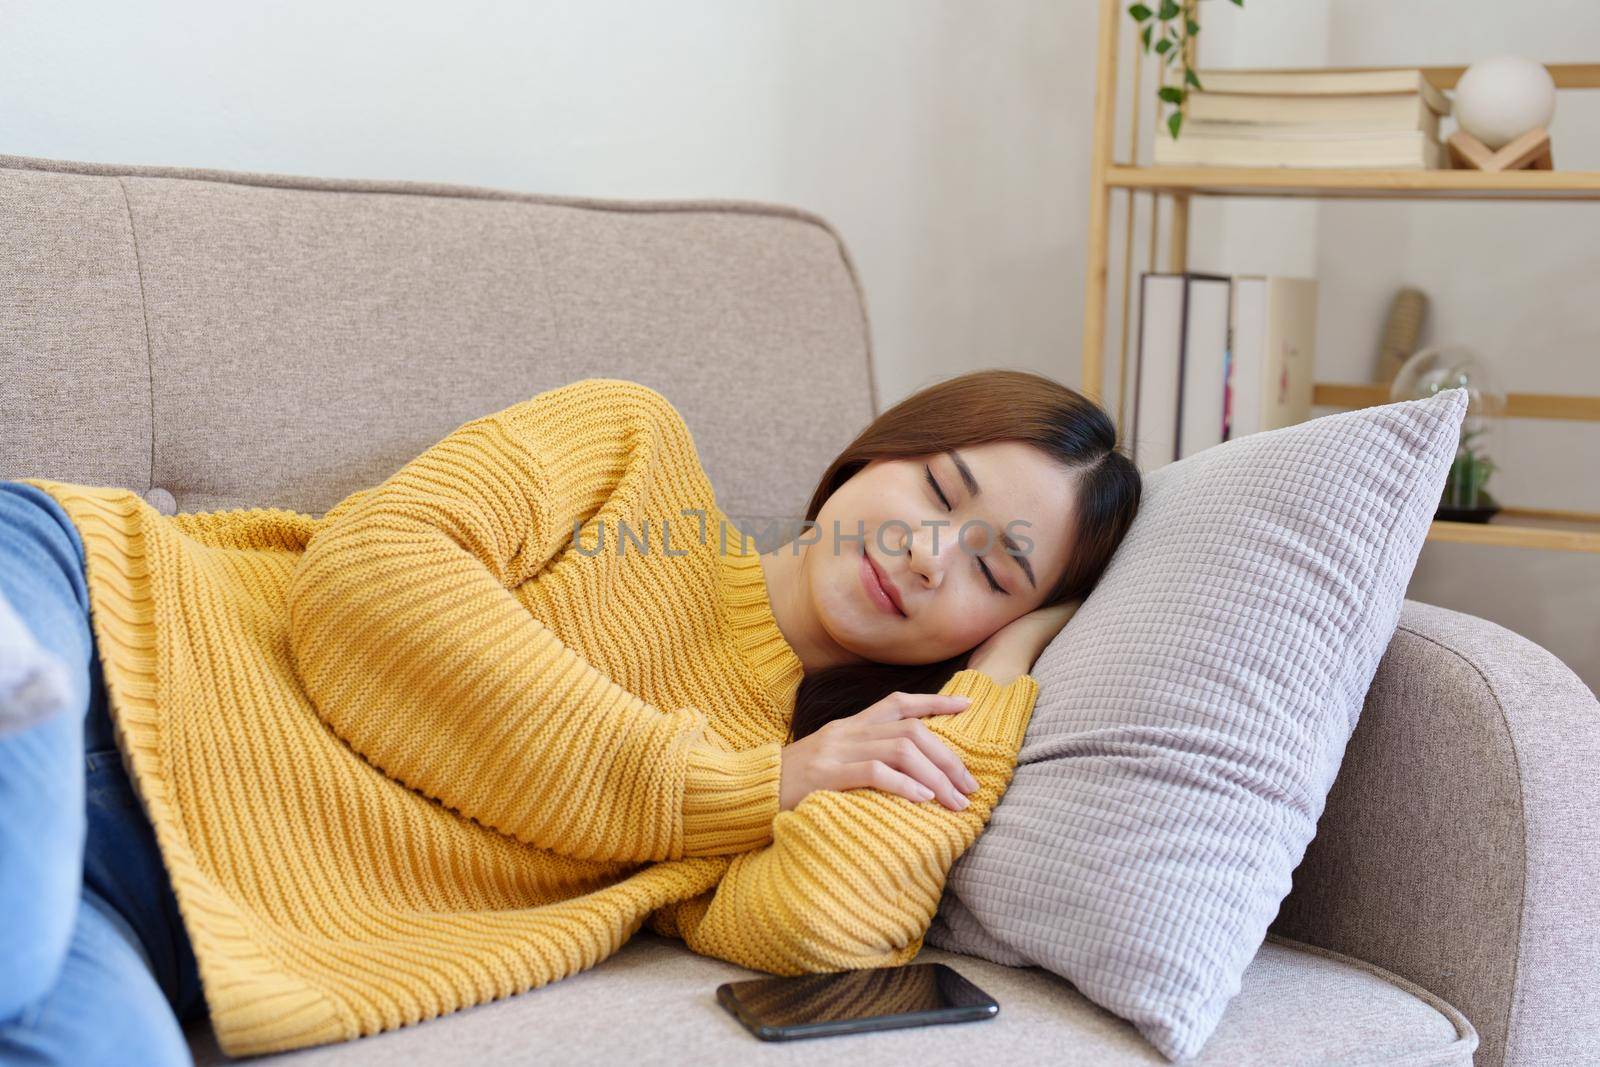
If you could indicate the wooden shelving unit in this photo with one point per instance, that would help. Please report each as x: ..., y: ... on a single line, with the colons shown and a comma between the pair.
x: 1573, y: 531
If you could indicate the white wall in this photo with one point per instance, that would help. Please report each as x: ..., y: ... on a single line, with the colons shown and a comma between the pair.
x: 947, y: 140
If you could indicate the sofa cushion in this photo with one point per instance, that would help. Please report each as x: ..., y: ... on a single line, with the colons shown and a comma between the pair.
x: 259, y: 340
x: 654, y: 1001
x: 1194, y: 712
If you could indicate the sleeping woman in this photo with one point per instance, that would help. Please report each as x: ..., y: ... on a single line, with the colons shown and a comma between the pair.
x: 472, y: 728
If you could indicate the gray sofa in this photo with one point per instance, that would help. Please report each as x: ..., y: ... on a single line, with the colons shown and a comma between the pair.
x: 220, y: 340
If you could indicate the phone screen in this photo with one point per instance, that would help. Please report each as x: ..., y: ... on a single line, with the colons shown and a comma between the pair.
x: 847, y: 1002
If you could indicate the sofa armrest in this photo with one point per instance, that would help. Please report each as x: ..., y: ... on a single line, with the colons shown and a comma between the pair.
x: 1460, y: 844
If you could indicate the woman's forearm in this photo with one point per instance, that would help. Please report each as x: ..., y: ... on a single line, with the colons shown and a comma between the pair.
x: 1003, y: 668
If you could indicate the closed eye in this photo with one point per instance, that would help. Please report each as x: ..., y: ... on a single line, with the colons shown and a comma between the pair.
x: 927, y: 470
x: 983, y: 567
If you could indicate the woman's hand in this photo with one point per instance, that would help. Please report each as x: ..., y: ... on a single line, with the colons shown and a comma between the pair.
x: 1012, y: 650
x: 884, y: 746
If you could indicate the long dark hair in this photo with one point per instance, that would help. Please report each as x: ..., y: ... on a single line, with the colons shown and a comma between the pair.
x: 971, y: 409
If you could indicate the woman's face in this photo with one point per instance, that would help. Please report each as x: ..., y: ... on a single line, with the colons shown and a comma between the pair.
x: 912, y: 513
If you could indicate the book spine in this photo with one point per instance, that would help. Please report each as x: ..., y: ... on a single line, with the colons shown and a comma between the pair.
x: 1183, y: 348
x: 1227, y: 377
x: 1138, y: 368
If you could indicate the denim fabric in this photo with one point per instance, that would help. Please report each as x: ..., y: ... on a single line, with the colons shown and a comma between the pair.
x: 95, y: 964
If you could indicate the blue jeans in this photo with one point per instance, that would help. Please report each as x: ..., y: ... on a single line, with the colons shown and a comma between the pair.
x: 95, y: 964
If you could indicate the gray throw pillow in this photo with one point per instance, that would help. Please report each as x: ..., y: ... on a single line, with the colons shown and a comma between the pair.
x: 1193, y: 714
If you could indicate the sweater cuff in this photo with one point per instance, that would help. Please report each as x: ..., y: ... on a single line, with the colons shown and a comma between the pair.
x: 997, y: 712
x: 730, y: 799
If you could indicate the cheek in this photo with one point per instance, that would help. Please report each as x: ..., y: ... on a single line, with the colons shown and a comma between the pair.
x: 835, y: 579
x: 965, y: 621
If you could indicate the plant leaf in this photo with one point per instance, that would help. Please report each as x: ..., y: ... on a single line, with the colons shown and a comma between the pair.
x: 1171, y: 94
x: 1174, y: 120
x: 1140, y: 12
x: 1193, y: 27
x: 1169, y: 10
x: 1190, y: 79
x: 1163, y: 45
x: 1145, y: 34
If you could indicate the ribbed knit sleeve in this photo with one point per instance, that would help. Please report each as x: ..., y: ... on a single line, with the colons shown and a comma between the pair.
x: 408, y: 640
x: 852, y: 878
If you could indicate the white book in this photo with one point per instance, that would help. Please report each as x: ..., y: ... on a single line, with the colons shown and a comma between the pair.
x: 1294, y: 131
x: 1155, y: 384
x: 1388, y: 111
x: 1205, y: 363
x: 1396, y: 150
x: 1314, y: 82
x: 1178, y: 400
x: 1273, y: 334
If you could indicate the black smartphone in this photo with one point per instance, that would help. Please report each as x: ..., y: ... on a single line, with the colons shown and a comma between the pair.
x: 849, y: 1002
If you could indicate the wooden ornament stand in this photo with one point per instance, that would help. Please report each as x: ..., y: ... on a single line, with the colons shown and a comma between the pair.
x: 1531, y: 151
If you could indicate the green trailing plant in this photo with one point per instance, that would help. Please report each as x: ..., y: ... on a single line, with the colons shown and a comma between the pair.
x: 1170, y: 28
x: 1463, y: 488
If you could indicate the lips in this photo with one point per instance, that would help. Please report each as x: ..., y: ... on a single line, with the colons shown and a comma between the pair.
x: 879, y: 583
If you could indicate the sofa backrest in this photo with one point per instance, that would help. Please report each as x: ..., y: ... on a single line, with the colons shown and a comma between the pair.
x: 219, y: 340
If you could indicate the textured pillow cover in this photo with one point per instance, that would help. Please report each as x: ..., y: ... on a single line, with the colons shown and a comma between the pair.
x: 1193, y: 714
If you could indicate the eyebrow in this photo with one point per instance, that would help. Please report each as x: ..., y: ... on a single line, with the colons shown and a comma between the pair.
x: 966, y: 472
x: 1015, y: 550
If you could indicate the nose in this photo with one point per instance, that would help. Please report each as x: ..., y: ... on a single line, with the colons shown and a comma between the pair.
x: 922, y: 560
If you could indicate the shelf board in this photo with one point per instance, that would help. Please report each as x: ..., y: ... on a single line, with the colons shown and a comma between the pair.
x: 1518, y: 405
x: 1359, y: 183
x: 1571, y: 531
x: 1525, y: 528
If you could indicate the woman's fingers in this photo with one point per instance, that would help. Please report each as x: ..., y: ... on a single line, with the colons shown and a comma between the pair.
x: 883, y: 747
x: 908, y: 705
x: 942, y: 755
x: 906, y: 756
x: 875, y: 774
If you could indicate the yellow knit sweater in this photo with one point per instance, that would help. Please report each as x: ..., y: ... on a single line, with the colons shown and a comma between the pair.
x: 431, y: 749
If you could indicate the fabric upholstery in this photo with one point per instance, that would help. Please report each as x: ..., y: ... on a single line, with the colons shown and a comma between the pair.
x: 654, y: 1003
x: 1461, y: 842
x: 1194, y: 712
x: 75, y: 388
x: 294, y: 344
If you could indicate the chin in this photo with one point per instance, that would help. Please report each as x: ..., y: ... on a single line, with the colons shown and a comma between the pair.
x: 859, y: 636
x: 900, y: 654
x: 853, y: 640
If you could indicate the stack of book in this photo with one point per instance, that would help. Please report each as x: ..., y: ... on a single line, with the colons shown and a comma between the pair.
x: 1311, y: 118
x: 1219, y: 357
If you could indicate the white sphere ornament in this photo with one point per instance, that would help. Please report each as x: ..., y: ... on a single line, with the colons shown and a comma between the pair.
x: 1501, y: 98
